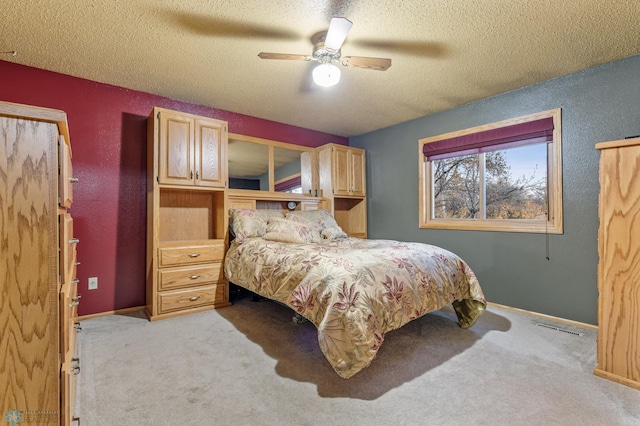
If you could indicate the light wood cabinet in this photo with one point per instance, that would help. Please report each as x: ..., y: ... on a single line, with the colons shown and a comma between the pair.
x: 342, y: 180
x: 342, y: 169
x: 186, y: 214
x: 192, y: 149
x: 38, y: 263
x: 619, y: 264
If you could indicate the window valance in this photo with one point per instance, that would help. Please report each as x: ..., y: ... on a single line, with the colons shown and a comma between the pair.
x: 515, y: 135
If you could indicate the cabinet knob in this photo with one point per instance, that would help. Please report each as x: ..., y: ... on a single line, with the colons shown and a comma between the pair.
x: 73, y: 180
x: 194, y: 298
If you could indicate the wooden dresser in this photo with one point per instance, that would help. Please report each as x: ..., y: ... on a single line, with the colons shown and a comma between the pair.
x: 619, y: 265
x: 38, y: 284
x: 186, y: 214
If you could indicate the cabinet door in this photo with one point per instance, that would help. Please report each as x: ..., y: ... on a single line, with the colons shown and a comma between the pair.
x: 357, y: 169
x: 308, y: 174
x: 176, y: 149
x: 340, y: 171
x: 210, y: 154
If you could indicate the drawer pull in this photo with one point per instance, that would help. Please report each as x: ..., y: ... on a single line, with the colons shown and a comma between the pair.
x: 194, y: 255
x: 194, y: 277
x: 194, y: 298
x: 74, y: 241
x: 73, y: 180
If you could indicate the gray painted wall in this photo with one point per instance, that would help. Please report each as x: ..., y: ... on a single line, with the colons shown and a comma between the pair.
x: 599, y: 104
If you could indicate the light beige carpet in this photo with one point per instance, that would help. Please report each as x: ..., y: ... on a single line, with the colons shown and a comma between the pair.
x: 250, y: 364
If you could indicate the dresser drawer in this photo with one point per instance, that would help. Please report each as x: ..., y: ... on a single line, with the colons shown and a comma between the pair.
x: 174, y: 278
x: 191, y: 254
x: 178, y: 300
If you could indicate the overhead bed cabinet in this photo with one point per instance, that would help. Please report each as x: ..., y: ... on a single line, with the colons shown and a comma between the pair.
x: 38, y: 284
x: 619, y: 265
x: 186, y: 214
x: 342, y: 180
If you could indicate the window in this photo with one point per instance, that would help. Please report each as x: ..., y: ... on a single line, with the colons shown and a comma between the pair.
x: 505, y: 176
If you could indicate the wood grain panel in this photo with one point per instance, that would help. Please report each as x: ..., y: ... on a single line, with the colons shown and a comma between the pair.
x: 341, y: 172
x: 212, y: 251
x: 192, y: 298
x: 29, y: 333
x: 209, y: 140
x: 619, y: 266
x: 190, y: 276
x: 176, y: 146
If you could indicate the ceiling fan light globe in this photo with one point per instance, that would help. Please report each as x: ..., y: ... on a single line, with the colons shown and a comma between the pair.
x: 326, y: 75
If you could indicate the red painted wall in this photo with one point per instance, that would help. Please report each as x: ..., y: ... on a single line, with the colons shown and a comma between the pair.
x: 107, y: 128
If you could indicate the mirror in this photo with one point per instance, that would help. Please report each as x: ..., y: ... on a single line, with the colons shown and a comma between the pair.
x: 265, y: 165
x: 248, y: 164
x: 287, y: 170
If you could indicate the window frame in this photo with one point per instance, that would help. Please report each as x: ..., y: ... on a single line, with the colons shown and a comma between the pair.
x: 553, y: 224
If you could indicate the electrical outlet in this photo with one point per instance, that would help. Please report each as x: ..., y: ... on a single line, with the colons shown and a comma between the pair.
x: 93, y: 283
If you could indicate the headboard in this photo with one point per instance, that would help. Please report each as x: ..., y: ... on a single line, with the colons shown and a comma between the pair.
x: 276, y: 201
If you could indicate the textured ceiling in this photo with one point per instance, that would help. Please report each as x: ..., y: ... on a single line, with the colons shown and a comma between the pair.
x: 444, y: 53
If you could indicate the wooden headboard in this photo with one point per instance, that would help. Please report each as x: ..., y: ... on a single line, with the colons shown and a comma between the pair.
x: 277, y: 201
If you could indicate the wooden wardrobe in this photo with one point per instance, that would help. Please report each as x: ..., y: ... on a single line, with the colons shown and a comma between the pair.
x: 38, y: 284
x: 619, y: 265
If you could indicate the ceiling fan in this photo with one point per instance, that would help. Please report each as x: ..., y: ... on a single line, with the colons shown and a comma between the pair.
x: 326, y: 51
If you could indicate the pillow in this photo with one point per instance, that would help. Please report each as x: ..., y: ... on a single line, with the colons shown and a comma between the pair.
x: 288, y: 231
x: 333, y: 233
x: 319, y: 219
x: 247, y: 223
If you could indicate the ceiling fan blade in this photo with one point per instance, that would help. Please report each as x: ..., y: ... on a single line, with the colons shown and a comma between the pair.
x: 378, y: 64
x: 337, y: 32
x: 267, y: 55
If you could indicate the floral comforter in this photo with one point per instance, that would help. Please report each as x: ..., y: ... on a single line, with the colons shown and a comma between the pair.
x: 356, y: 290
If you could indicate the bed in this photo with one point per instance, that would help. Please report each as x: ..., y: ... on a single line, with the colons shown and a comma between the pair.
x: 353, y: 290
